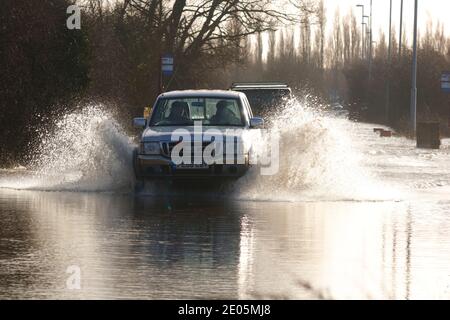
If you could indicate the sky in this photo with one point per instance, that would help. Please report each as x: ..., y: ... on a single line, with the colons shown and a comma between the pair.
x: 434, y: 9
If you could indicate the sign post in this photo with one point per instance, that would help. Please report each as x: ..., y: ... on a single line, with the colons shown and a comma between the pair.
x: 445, y: 82
x: 166, y: 69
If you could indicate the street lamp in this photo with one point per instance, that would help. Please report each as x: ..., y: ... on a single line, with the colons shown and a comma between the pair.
x: 414, y: 73
x: 370, y: 44
x: 388, y: 82
x: 401, y: 30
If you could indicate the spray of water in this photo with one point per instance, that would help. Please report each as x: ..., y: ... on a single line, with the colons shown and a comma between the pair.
x: 86, y: 151
x: 317, y: 161
x: 89, y: 151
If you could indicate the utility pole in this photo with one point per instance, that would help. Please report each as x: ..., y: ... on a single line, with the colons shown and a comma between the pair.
x: 401, y: 31
x: 388, y: 82
x: 370, y: 44
x: 414, y: 73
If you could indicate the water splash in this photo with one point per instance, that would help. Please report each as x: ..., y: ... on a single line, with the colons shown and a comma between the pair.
x: 86, y: 151
x: 318, y: 161
x: 89, y: 151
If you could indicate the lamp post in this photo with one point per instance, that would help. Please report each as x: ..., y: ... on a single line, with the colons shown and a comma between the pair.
x: 401, y: 30
x: 362, y: 29
x: 370, y: 44
x: 388, y: 82
x: 414, y: 73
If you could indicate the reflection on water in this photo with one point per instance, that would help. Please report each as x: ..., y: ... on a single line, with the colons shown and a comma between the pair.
x: 143, y: 247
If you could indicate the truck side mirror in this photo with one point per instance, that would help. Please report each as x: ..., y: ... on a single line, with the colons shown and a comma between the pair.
x: 256, y: 123
x: 139, y: 123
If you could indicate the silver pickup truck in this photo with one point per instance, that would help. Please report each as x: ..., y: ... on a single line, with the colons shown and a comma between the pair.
x: 196, y: 134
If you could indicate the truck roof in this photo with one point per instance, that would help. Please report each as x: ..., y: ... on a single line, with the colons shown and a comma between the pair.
x: 225, y: 94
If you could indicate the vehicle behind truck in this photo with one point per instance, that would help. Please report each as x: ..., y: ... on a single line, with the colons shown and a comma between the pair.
x: 264, y: 96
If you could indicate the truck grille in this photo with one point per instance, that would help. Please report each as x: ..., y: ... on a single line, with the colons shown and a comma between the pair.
x: 167, y: 148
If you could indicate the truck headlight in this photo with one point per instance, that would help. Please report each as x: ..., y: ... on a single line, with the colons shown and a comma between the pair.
x: 150, y: 148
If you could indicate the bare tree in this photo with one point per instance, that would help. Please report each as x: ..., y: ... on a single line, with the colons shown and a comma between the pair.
x: 356, y: 37
x: 259, y: 51
x: 347, y: 38
x: 336, y: 42
x: 440, y: 38
x: 320, y: 36
x: 193, y: 28
x: 305, y: 38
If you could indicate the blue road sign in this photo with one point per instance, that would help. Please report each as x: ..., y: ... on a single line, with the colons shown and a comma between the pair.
x: 167, y: 69
x: 167, y: 65
x: 445, y: 81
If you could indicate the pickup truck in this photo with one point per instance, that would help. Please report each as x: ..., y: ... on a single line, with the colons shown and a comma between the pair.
x: 204, y: 134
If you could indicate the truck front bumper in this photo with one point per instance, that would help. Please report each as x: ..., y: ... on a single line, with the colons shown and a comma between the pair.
x: 154, y: 167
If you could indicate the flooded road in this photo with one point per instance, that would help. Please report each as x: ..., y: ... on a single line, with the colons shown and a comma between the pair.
x: 142, y: 247
x: 265, y: 239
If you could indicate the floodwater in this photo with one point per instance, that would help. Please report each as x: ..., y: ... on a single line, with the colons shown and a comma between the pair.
x: 349, y: 216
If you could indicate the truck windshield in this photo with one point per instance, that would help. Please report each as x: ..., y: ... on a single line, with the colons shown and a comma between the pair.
x: 210, y: 111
